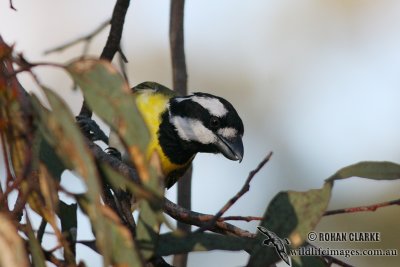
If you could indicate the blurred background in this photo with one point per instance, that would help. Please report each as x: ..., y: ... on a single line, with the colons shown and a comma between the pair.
x: 316, y: 82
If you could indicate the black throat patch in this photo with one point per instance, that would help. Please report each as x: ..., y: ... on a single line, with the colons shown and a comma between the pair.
x: 177, y: 150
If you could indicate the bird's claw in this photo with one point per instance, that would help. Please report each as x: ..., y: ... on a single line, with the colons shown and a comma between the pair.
x: 112, y: 151
x: 91, y: 129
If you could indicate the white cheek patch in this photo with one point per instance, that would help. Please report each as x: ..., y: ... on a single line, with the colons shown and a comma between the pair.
x: 213, y: 105
x: 193, y: 130
x: 228, y: 132
x: 183, y: 98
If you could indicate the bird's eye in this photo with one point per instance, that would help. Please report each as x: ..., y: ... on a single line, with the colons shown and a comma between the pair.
x: 214, y: 122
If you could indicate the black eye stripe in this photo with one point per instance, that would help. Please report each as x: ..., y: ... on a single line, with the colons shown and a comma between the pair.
x: 193, y: 110
x: 189, y: 109
x: 214, y: 122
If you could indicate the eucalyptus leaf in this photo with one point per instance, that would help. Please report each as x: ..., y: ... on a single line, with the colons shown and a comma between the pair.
x: 37, y: 254
x: 62, y: 134
x: 109, y: 96
x: 376, y: 170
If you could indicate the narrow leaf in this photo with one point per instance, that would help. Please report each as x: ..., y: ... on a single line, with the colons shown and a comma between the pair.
x: 109, y: 96
x: 148, y: 227
x: 61, y: 132
x: 36, y: 251
x: 377, y: 170
x: 118, y: 239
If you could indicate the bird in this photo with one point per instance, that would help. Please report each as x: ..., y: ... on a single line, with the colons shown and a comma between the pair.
x: 182, y: 126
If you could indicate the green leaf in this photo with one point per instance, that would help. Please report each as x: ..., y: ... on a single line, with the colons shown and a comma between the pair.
x: 148, y: 227
x: 290, y: 215
x: 37, y: 254
x: 377, y: 170
x: 150, y: 204
x: 309, y: 208
x: 173, y: 243
x: 60, y: 131
x: 280, y: 218
x: 109, y: 96
x: 120, y: 245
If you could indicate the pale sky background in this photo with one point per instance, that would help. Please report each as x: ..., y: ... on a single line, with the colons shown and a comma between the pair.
x: 316, y: 82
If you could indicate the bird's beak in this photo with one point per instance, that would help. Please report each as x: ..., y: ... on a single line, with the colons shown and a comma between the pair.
x: 231, y: 149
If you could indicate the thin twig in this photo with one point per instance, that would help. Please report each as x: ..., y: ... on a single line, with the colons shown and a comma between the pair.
x: 12, y: 5
x: 241, y: 218
x: 373, y: 207
x: 86, y: 38
x: 41, y: 230
x: 199, y: 219
x: 19, y: 205
x: 245, y: 188
x: 27, y: 66
x: 122, y: 60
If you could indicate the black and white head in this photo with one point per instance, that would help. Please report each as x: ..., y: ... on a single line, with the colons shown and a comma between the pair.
x: 206, y: 123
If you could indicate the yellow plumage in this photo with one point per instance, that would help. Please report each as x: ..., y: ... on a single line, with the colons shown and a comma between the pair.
x: 151, y: 105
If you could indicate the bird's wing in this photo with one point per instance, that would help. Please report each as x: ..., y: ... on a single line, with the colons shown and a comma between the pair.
x: 155, y: 87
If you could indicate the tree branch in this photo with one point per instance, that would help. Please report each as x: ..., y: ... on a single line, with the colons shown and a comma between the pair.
x: 199, y: 219
x: 175, y: 211
x: 373, y: 207
x: 245, y: 188
x: 179, y: 74
x: 241, y: 218
x: 86, y: 38
x: 41, y: 230
x: 176, y: 39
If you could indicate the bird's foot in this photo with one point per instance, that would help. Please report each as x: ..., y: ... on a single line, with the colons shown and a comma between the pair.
x: 91, y: 129
x: 112, y: 151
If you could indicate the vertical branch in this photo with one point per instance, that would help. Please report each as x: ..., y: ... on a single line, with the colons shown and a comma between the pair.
x: 179, y: 75
x: 113, y: 42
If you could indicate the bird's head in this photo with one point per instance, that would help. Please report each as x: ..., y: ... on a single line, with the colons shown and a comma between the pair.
x: 207, y: 123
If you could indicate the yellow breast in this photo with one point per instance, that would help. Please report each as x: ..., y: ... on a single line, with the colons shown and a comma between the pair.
x: 151, y: 106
